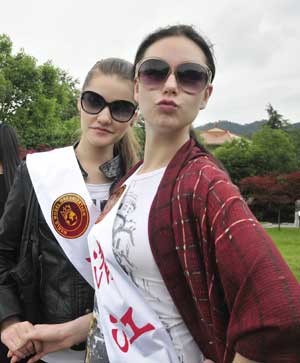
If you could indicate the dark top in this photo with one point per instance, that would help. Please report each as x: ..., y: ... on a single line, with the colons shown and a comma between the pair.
x: 52, y: 290
x: 3, y: 194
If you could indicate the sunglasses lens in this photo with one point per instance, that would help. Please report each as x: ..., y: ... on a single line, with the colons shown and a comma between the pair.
x: 153, y: 72
x: 192, y: 77
x: 122, y: 111
x: 92, y: 103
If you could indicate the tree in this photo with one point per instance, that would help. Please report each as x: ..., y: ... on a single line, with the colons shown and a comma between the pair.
x: 294, y: 135
x: 275, y: 120
x: 273, y: 191
x: 38, y: 100
x: 238, y: 159
x: 273, y: 152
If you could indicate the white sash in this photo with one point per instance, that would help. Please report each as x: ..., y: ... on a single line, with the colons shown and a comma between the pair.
x: 65, y: 202
x: 132, y: 330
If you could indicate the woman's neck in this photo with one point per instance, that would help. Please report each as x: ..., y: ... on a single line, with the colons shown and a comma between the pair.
x: 160, y: 149
x: 91, y: 157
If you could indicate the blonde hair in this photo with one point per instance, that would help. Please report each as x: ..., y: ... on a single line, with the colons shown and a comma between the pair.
x: 128, y: 147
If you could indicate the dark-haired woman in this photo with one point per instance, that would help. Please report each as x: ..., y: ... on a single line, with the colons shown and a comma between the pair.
x: 190, y: 271
x: 9, y: 160
x: 43, y: 259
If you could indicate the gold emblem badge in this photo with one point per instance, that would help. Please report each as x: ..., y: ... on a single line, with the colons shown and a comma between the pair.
x: 70, y: 216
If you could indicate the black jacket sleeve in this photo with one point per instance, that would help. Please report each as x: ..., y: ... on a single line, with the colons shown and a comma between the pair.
x: 11, y: 228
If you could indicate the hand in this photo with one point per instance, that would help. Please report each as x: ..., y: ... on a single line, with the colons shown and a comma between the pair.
x: 54, y: 337
x: 17, y: 355
x: 14, y: 335
x: 45, y: 348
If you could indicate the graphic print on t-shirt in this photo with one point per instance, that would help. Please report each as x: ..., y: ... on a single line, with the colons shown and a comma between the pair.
x: 124, y: 226
x: 132, y: 250
x: 130, y: 243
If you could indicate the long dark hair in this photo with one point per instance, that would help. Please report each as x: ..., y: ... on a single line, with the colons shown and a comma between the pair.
x: 9, y: 153
x: 127, y: 147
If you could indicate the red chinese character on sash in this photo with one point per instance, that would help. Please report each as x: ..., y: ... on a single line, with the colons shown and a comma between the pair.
x: 100, y: 266
x: 137, y: 332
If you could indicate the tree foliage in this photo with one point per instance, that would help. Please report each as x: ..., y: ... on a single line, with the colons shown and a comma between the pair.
x: 237, y: 157
x: 140, y: 134
x: 38, y: 100
x: 272, y: 191
x: 271, y: 151
x: 275, y: 119
x: 274, y: 152
x: 294, y: 135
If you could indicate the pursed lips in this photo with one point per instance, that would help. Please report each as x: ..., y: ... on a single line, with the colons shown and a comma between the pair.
x: 101, y: 129
x: 167, y: 106
x: 167, y: 103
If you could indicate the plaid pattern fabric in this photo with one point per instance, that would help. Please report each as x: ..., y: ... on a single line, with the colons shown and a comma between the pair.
x: 225, y: 275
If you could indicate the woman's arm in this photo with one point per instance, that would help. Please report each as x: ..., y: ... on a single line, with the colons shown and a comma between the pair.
x: 261, y: 292
x: 11, y: 227
x: 12, y: 333
x: 55, y: 337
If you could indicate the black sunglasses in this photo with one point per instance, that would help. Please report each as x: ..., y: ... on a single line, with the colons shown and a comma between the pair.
x: 191, y: 77
x: 120, y: 110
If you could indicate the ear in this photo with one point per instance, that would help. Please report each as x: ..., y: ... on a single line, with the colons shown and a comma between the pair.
x: 136, y: 91
x: 207, y: 93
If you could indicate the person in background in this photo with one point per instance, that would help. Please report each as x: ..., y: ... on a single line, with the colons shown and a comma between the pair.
x: 9, y: 161
x: 104, y: 153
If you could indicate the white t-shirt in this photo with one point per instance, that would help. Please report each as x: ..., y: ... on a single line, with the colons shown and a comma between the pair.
x: 133, y: 252
x: 99, y: 193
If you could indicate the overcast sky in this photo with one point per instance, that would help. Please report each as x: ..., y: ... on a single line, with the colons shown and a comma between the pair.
x: 257, y: 44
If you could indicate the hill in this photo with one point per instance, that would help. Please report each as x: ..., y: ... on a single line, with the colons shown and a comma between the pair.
x: 295, y: 126
x: 245, y: 130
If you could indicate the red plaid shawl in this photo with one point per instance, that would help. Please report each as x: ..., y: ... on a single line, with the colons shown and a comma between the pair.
x: 225, y: 275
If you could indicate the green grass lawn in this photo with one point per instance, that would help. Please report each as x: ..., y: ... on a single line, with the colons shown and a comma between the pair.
x: 288, y: 242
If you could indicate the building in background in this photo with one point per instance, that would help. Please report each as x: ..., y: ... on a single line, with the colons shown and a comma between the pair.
x: 215, y: 137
